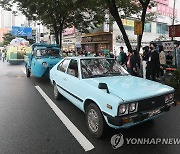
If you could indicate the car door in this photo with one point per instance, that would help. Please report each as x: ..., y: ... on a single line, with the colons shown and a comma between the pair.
x: 72, y: 82
x: 60, y: 75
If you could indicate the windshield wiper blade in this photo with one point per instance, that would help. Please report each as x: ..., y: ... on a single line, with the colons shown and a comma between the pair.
x: 97, y: 75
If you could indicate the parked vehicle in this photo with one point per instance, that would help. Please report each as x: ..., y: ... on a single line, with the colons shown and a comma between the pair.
x: 107, y: 94
x: 16, y: 50
x: 41, y: 59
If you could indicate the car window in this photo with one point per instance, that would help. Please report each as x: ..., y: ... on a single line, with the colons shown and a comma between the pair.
x: 63, y: 65
x: 73, y: 68
x: 101, y: 67
x: 38, y: 53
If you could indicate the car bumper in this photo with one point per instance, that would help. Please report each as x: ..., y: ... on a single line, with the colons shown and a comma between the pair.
x: 130, y: 120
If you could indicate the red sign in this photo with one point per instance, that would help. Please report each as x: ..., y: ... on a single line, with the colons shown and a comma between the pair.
x: 69, y: 31
x: 165, y: 10
x: 165, y: 2
x: 174, y: 31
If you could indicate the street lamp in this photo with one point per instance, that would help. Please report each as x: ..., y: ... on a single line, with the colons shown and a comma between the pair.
x: 38, y: 33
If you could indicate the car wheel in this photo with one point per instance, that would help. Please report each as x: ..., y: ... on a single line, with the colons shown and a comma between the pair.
x: 28, y: 73
x: 56, y: 92
x: 95, y: 121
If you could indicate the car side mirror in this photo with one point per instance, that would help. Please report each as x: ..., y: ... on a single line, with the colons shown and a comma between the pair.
x: 103, y: 86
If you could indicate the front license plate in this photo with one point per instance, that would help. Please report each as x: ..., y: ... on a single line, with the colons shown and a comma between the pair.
x: 154, y: 112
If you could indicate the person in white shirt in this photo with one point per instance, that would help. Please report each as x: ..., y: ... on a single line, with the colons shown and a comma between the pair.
x: 162, y: 59
x: 3, y: 56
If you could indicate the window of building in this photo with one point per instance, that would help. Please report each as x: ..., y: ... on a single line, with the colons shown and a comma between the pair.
x: 162, y: 28
x: 147, y: 27
x: 130, y: 28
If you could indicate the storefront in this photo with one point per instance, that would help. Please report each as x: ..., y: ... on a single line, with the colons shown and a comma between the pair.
x: 95, y: 42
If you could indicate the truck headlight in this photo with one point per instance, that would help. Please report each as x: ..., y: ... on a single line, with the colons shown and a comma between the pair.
x: 44, y: 64
x: 123, y: 109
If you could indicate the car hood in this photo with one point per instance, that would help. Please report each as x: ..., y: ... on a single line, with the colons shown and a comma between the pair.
x: 130, y: 88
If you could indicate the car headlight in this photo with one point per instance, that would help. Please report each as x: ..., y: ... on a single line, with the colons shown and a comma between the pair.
x: 132, y: 107
x: 123, y: 109
x: 44, y: 64
x: 166, y: 99
x: 171, y: 97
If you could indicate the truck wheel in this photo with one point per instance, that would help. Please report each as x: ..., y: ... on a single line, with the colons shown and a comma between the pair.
x: 56, y: 92
x: 95, y: 121
x: 28, y: 73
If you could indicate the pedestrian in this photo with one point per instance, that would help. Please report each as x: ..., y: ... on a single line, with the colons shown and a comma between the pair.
x: 131, y: 64
x: 144, y: 60
x: 169, y: 58
x: 3, y: 56
x: 153, y: 63
x: 122, y: 58
x: 138, y: 62
x: 178, y: 55
x: 162, y: 60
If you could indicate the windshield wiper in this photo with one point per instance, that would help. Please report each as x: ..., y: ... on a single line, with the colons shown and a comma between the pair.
x: 97, y: 75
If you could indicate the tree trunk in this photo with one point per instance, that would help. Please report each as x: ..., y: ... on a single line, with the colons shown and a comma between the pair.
x: 114, y: 12
x: 143, y: 18
x: 60, y: 33
x: 56, y: 33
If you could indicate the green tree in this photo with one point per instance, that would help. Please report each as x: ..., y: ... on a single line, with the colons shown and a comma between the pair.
x: 7, y: 38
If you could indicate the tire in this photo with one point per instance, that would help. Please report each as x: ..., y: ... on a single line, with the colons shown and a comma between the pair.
x: 57, y: 95
x: 94, y: 115
x: 28, y: 73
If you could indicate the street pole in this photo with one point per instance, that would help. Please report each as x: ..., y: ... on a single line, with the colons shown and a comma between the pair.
x: 173, y: 19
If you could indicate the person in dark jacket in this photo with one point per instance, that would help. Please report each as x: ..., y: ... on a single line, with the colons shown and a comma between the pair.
x: 131, y: 64
x: 153, y: 63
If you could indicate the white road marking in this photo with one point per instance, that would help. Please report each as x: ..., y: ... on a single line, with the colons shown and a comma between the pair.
x: 83, y: 141
x: 23, y: 70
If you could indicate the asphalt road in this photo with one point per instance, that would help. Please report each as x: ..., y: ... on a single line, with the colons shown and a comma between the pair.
x: 29, y: 125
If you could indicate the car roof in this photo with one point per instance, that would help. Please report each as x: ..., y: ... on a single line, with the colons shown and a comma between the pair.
x: 80, y: 58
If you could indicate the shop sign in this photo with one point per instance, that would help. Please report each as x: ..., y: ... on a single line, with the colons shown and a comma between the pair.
x: 165, y: 10
x: 128, y: 22
x: 165, y: 2
x: 69, y: 31
x: 174, y: 31
x: 168, y: 46
x: 137, y: 27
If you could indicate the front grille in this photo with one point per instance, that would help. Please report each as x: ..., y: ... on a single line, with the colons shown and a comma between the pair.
x: 151, y: 103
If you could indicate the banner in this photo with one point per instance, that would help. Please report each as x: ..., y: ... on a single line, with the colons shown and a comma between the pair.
x: 21, y: 31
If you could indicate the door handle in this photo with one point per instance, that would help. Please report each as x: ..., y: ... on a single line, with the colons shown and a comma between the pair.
x: 65, y: 79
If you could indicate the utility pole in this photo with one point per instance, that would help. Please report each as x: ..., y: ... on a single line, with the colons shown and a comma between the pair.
x: 173, y: 19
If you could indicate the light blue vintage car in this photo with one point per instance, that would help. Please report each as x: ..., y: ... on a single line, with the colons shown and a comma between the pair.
x: 41, y: 59
x: 107, y: 94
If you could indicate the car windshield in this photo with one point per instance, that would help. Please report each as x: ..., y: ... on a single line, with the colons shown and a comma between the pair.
x: 101, y: 67
x: 47, y: 52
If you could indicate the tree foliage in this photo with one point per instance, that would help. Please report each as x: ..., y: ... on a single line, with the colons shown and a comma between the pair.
x: 7, y: 38
x: 59, y: 14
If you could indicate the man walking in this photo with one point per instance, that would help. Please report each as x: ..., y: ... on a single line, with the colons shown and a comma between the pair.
x: 153, y: 63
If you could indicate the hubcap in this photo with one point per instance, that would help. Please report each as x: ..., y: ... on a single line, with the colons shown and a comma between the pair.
x: 93, y: 120
x: 55, y: 91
